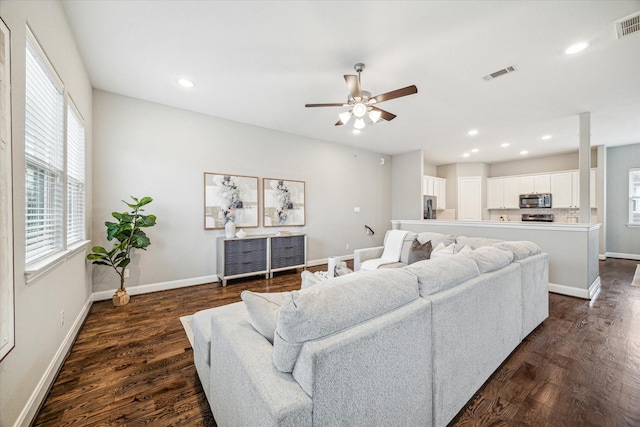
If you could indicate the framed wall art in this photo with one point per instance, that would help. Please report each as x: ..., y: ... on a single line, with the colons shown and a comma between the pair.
x: 283, y: 202
x: 7, y: 290
x: 230, y: 198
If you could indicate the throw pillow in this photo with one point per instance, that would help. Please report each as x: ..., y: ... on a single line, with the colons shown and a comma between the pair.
x: 419, y: 251
x: 442, y: 250
x: 263, y: 310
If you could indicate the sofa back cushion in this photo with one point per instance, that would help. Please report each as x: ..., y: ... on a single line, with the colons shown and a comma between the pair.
x: 339, y: 304
x: 262, y: 310
x: 521, y: 249
x: 490, y: 258
x: 474, y: 242
x: 439, y: 274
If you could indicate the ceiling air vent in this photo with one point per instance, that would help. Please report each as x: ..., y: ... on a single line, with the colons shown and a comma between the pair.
x: 628, y: 25
x: 499, y: 73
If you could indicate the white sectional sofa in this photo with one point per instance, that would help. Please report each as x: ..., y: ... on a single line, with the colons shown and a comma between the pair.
x: 396, y: 346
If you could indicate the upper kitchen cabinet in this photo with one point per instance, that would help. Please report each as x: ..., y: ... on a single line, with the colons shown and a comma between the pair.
x: 503, y: 193
x: 434, y: 186
x: 565, y: 189
x: 532, y: 184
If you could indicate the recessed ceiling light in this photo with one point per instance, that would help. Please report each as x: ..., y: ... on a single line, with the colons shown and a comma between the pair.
x: 472, y: 132
x: 504, y: 144
x: 185, y: 83
x: 523, y: 152
x: 545, y: 137
x: 466, y: 155
x: 578, y: 47
x: 475, y: 150
x: 356, y: 131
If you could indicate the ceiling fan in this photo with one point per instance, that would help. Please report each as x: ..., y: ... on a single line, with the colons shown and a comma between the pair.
x: 362, y: 106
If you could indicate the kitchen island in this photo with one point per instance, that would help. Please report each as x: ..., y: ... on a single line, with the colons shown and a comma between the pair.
x: 572, y: 248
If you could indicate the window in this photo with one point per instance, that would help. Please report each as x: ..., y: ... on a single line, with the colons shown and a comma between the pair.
x: 44, y: 115
x: 75, y: 176
x: 634, y: 196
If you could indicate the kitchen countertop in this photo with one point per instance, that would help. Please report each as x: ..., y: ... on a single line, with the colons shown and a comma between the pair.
x: 523, y: 225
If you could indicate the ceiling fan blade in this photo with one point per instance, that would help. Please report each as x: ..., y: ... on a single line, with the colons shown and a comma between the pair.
x: 339, y: 123
x: 409, y: 90
x: 385, y: 115
x: 335, y: 104
x: 353, y: 82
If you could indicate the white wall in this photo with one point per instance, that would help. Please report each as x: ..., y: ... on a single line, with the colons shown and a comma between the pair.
x: 41, y: 341
x: 406, y: 182
x: 558, y: 162
x: 622, y: 241
x: 147, y: 149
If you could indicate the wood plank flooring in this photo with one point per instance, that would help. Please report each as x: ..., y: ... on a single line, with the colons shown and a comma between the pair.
x: 133, y: 365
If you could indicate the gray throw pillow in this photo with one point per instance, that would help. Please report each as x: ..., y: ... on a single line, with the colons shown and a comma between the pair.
x: 263, y: 310
x: 419, y: 251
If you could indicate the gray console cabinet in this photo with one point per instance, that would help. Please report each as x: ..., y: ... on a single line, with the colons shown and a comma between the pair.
x: 257, y: 255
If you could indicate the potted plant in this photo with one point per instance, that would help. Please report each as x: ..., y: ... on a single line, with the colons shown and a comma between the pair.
x: 128, y: 234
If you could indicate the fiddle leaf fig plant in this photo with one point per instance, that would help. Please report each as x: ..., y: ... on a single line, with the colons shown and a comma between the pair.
x: 128, y: 233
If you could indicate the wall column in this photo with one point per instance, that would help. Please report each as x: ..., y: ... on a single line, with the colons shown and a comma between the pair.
x: 585, y: 167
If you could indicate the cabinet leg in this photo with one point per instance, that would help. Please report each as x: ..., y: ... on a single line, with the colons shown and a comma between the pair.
x: 224, y: 282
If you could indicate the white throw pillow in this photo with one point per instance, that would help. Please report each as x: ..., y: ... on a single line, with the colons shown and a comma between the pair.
x: 263, y: 310
x: 443, y: 250
x: 466, y: 249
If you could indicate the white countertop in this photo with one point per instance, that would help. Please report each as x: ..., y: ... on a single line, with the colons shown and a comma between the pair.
x: 525, y: 225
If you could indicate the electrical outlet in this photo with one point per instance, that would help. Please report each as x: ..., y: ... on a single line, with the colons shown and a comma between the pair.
x: 62, y: 318
x: 347, y: 247
x: 126, y: 272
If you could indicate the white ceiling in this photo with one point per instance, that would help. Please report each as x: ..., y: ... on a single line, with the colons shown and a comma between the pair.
x: 260, y: 62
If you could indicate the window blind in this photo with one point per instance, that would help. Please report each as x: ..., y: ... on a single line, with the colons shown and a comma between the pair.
x: 75, y: 177
x: 44, y: 121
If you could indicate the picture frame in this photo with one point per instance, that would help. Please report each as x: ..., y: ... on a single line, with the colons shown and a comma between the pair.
x: 283, y: 202
x: 230, y: 198
x: 7, y: 268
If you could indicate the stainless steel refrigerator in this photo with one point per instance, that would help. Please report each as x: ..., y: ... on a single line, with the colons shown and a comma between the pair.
x: 429, y: 207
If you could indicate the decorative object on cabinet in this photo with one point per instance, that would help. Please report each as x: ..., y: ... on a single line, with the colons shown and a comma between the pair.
x: 255, y: 255
x: 129, y: 235
x: 283, y: 202
x: 230, y: 198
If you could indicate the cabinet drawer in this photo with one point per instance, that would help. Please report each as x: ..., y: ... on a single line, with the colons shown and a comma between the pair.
x: 293, y: 242
x: 240, y: 266
x: 245, y: 246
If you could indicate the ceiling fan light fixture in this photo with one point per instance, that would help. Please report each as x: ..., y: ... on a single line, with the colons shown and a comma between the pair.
x: 359, y: 124
x: 344, y: 117
x: 359, y: 110
x: 375, y: 115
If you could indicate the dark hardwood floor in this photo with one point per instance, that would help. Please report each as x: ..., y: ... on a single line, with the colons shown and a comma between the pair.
x: 133, y: 365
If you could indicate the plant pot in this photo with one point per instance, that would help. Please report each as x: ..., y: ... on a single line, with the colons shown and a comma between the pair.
x: 120, y: 298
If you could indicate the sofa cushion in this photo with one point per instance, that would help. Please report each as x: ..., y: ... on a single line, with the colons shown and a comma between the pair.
x: 490, y: 258
x: 262, y: 310
x: 439, y: 274
x: 521, y: 249
x: 475, y: 242
x: 419, y: 251
x: 443, y: 250
x: 436, y: 238
x: 342, y: 302
x: 309, y: 279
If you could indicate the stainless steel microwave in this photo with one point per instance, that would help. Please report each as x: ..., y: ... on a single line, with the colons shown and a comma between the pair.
x: 542, y: 200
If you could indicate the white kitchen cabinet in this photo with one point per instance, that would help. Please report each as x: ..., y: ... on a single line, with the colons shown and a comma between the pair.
x: 532, y: 184
x: 434, y: 186
x: 565, y: 189
x: 503, y: 193
x: 562, y: 189
x: 440, y: 189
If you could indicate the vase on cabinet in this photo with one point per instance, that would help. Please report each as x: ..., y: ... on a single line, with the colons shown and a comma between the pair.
x: 230, y: 229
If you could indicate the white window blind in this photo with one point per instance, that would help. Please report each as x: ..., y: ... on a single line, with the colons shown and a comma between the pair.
x: 75, y: 176
x: 634, y: 196
x: 44, y: 121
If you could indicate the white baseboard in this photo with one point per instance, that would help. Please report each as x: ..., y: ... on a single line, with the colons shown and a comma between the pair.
x: 155, y: 287
x: 602, y: 257
x: 576, y: 292
x: 321, y: 261
x: 622, y: 255
x: 40, y: 392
